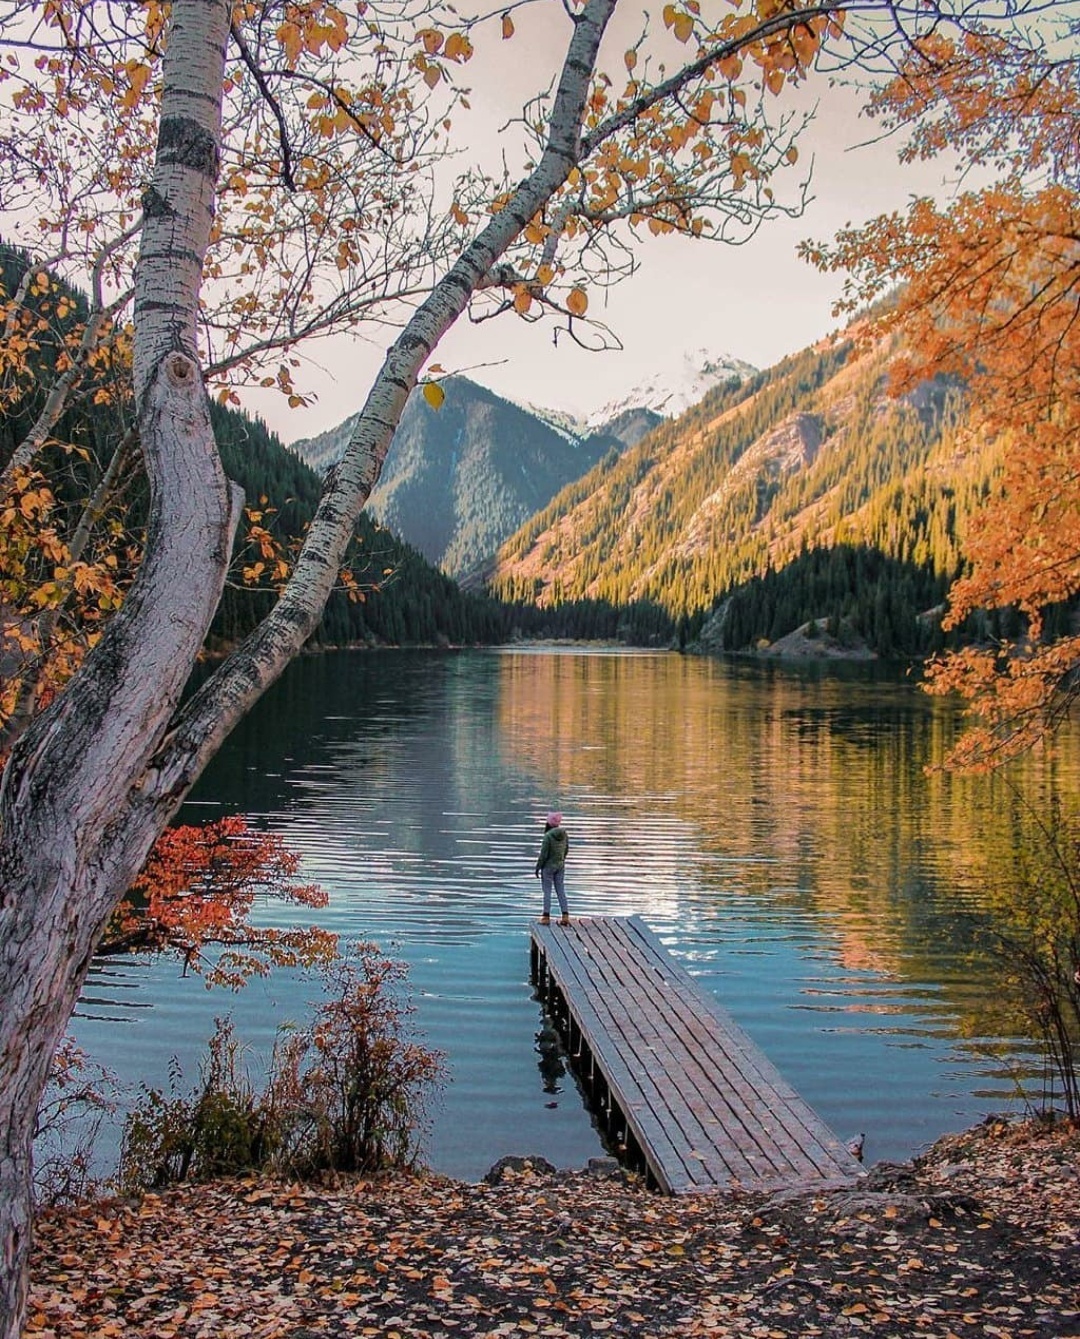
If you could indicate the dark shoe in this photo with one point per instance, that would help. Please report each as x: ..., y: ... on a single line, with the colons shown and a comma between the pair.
x: 564, y: 920
x: 545, y: 920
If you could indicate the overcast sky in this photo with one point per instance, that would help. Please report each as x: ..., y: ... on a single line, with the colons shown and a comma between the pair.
x: 757, y: 301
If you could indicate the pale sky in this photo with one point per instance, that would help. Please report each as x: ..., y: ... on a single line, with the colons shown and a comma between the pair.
x: 757, y: 302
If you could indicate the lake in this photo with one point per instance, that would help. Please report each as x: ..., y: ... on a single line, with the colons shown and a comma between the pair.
x: 774, y: 825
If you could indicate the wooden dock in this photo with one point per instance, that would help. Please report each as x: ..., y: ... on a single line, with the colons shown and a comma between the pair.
x: 676, y: 1084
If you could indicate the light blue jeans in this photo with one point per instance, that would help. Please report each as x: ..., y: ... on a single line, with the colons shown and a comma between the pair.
x: 553, y: 878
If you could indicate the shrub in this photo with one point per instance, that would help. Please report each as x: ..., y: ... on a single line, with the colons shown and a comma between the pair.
x: 217, y: 1130
x: 346, y: 1094
x: 79, y: 1095
x: 1036, y: 892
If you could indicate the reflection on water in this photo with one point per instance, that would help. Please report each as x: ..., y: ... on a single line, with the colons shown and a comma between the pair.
x: 776, y: 828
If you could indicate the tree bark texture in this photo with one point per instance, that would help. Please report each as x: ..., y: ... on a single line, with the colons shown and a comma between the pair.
x: 93, y: 782
x: 75, y: 826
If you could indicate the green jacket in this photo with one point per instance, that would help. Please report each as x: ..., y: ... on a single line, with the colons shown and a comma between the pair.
x: 553, y: 850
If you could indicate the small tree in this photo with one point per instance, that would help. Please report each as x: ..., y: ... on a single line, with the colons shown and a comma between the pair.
x: 1035, y: 899
x: 79, y: 1097
x: 345, y: 1094
x: 197, y: 891
x: 349, y: 1092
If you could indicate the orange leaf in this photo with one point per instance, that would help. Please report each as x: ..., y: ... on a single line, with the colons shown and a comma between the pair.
x: 458, y: 47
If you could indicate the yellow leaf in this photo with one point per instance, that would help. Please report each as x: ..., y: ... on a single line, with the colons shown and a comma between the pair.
x: 577, y: 302
x: 507, y: 27
x: 545, y: 274
x: 434, y: 394
x: 522, y: 300
x: 683, y: 27
x: 458, y: 47
x: 631, y: 59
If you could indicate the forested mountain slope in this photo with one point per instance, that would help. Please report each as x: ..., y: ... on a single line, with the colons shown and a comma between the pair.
x: 460, y: 478
x: 404, y: 598
x: 810, y: 455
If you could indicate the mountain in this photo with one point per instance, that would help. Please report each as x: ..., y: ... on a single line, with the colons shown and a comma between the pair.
x: 803, y: 495
x: 460, y: 479
x: 403, y: 599
x: 671, y: 391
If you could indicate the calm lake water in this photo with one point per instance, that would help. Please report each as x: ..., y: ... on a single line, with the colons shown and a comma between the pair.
x: 775, y: 827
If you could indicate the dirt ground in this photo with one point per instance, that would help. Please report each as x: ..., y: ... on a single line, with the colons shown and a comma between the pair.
x: 978, y: 1237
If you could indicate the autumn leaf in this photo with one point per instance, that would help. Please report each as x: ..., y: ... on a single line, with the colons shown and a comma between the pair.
x: 458, y: 48
x: 577, y: 302
x: 434, y: 394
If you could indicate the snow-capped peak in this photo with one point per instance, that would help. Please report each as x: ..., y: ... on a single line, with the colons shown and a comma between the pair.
x: 671, y: 391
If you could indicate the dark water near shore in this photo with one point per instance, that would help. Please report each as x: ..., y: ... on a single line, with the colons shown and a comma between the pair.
x: 775, y: 826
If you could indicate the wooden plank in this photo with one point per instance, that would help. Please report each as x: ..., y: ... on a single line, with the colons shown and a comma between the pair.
x: 731, y: 1123
x: 786, y: 1124
x: 801, y: 1122
x: 657, y: 1093
x: 595, y: 1021
x: 760, y: 1127
x: 731, y: 1106
x: 630, y: 1074
x: 707, y: 1151
x: 703, y: 1103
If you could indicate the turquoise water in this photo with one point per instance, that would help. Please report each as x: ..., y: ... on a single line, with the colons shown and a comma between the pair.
x: 775, y: 827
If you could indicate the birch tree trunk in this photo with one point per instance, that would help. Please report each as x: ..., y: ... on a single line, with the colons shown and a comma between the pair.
x: 95, y: 779
x: 75, y: 828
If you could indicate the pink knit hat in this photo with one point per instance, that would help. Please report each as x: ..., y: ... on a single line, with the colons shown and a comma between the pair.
x: 555, y: 818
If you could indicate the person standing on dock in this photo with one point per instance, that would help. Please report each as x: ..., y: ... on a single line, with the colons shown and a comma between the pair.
x: 551, y: 866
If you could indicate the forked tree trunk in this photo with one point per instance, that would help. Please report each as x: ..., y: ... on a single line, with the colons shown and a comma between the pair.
x: 95, y: 779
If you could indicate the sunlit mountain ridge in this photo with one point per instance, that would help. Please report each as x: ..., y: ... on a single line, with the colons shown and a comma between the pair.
x: 458, y: 480
x: 803, y: 494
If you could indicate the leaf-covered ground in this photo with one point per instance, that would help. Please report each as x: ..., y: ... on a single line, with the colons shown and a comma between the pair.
x: 979, y: 1237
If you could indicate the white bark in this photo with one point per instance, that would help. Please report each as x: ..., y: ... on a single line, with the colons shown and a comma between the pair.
x: 75, y: 829
x: 92, y: 783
